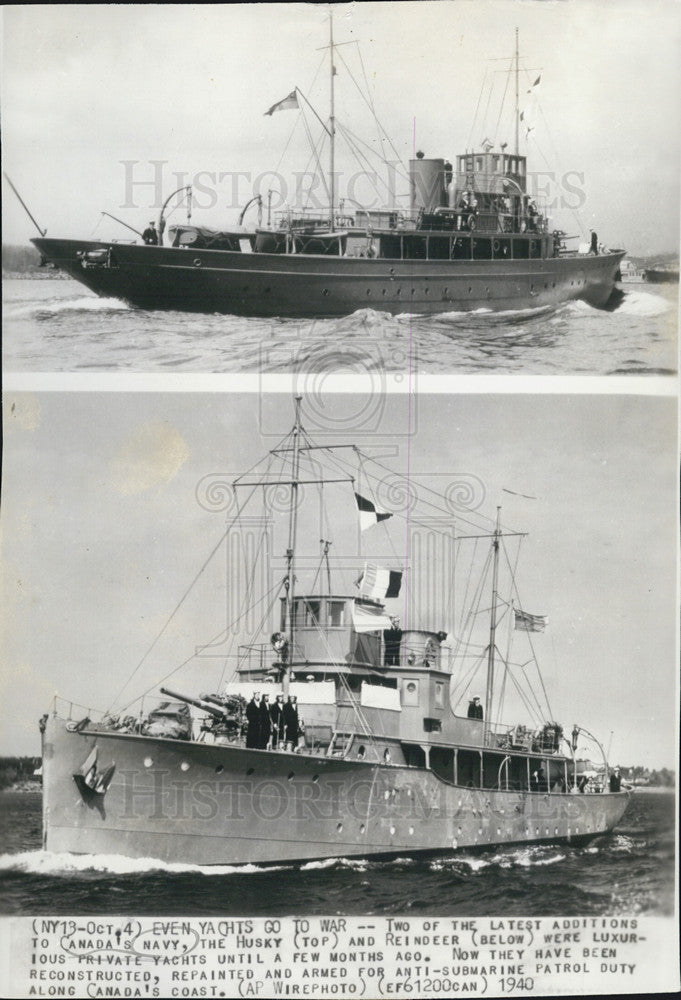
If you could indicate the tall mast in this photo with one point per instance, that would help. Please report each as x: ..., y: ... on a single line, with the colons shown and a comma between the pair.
x: 332, y: 128
x: 290, y: 582
x: 489, y: 692
x: 517, y: 96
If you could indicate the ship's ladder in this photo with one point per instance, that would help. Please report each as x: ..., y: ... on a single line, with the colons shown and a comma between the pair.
x: 340, y: 744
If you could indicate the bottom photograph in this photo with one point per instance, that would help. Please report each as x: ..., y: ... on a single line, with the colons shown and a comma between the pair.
x: 285, y: 655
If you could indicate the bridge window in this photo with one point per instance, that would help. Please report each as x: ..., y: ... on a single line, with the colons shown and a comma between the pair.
x: 439, y: 694
x: 336, y: 613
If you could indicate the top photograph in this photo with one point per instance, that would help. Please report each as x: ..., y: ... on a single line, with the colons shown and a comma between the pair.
x: 486, y: 187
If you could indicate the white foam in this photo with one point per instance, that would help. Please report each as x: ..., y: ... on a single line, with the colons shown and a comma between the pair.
x: 48, y: 863
x: 83, y: 304
x: 640, y: 303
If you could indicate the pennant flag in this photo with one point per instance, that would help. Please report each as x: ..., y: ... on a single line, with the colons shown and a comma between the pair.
x: 366, y: 618
x: 530, y: 623
x: 368, y: 513
x: 535, y: 84
x: 380, y: 583
x: 288, y: 102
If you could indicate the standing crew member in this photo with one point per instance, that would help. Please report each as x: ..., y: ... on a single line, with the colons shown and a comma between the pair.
x: 277, y: 720
x: 265, y: 722
x: 474, y: 708
x: 253, y: 719
x: 150, y: 236
x: 291, y: 724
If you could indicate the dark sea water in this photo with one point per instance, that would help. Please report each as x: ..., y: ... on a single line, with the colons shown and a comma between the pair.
x: 56, y: 326
x: 630, y: 871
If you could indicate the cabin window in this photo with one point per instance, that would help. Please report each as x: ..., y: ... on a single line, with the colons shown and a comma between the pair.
x: 482, y: 249
x: 410, y: 692
x: 442, y: 763
x: 492, y: 778
x: 432, y: 725
x: 469, y: 768
x: 495, y: 164
x: 336, y: 613
x: 520, y: 249
x: 439, y: 694
x: 478, y: 163
x: 413, y: 756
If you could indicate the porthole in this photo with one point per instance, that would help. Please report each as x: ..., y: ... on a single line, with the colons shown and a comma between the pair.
x: 368, y: 291
x: 290, y: 776
x: 219, y: 769
x: 197, y: 262
x: 250, y: 770
x: 362, y: 828
x: 315, y: 778
x: 392, y: 831
x: 383, y: 292
x: 339, y: 828
x: 325, y: 291
x: 184, y: 766
x: 470, y: 289
x: 455, y: 843
x: 411, y: 831
x: 148, y: 762
x: 398, y: 291
x: 386, y: 794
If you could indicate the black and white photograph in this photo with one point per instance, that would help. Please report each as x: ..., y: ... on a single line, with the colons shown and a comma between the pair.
x: 484, y: 186
x: 312, y: 657
x: 339, y: 524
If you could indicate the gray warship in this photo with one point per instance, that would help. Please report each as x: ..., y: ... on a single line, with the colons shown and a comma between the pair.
x: 374, y: 759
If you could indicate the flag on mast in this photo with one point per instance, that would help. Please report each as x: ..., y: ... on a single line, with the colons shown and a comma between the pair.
x: 368, y: 618
x: 291, y: 101
x: 526, y: 622
x: 379, y: 583
x: 369, y: 514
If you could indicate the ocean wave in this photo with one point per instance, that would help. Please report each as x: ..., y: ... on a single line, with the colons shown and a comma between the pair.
x: 48, y: 863
x: 85, y: 303
x: 644, y: 304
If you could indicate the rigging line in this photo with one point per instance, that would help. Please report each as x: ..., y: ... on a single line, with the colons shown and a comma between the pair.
x: 465, y: 643
x: 537, y: 718
x: 373, y: 152
x: 427, y: 489
x: 189, y: 658
x: 260, y: 626
x: 379, y: 130
x: 369, y: 103
x: 534, y: 654
x: 488, y: 523
x: 489, y: 100
x: 193, y: 655
x: 503, y: 99
x: 316, y: 155
x: 464, y: 682
x: 245, y: 603
x: 477, y: 108
x: 172, y: 614
x: 371, y: 175
x: 296, y: 122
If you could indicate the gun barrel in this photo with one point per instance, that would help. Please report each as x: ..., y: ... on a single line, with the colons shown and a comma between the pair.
x: 196, y: 702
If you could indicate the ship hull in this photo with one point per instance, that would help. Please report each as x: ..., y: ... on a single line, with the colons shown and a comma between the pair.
x: 191, y: 803
x: 290, y: 285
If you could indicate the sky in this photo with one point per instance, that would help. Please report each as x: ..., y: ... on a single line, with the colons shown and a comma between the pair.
x: 182, y: 90
x: 107, y: 518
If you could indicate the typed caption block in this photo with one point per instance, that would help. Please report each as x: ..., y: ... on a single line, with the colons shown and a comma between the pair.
x: 341, y: 957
